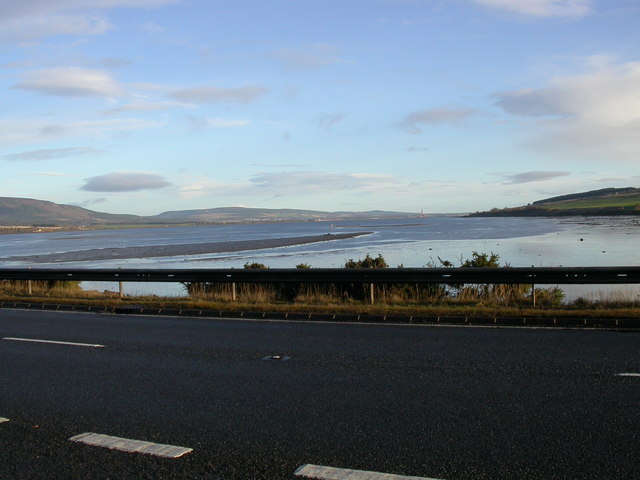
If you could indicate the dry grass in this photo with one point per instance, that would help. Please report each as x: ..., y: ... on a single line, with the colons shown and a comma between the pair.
x: 314, y: 301
x: 41, y: 287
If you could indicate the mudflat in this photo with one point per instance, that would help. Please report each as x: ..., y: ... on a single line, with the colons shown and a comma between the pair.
x: 177, y: 250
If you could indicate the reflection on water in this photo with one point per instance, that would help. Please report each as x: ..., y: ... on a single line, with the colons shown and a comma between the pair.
x: 601, y: 241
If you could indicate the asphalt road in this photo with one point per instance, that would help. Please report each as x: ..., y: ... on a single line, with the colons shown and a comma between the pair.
x: 437, y: 402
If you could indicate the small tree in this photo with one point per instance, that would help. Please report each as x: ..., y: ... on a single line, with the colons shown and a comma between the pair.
x: 484, y: 260
x: 367, y: 262
x: 255, y: 266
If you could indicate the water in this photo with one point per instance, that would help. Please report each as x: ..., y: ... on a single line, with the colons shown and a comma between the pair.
x: 419, y: 242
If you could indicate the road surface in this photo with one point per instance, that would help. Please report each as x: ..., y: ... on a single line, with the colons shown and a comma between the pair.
x: 258, y: 399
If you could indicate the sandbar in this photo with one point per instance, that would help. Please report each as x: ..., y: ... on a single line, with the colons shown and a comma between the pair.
x: 120, y: 253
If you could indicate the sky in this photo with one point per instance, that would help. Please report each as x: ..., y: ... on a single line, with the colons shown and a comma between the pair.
x: 441, y: 106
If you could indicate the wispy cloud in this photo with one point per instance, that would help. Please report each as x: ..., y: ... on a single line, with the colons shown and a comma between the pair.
x: 24, y: 20
x: 89, y: 203
x: 542, y: 8
x: 146, y: 106
x: 533, y: 176
x: 31, y: 131
x: 327, y: 121
x: 209, y: 94
x: 308, y: 58
x: 287, y: 183
x: 49, y: 154
x: 125, y: 182
x: 45, y: 174
x: 71, y: 82
x: 197, y: 123
x: 302, y: 183
x: 434, y: 116
x: 417, y: 149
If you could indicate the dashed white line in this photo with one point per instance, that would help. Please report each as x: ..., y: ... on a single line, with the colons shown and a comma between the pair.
x: 128, y: 445
x: 628, y: 374
x: 55, y: 342
x: 330, y: 473
x: 2, y: 419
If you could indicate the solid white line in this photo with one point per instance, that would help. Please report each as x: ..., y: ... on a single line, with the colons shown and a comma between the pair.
x: 628, y: 374
x: 55, y: 342
x: 128, y: 445
x: 329, y: 473
x: 2, y: 419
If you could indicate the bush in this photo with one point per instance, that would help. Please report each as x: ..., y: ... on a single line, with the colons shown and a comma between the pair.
x: 549, y: 297
x: 367, y: 262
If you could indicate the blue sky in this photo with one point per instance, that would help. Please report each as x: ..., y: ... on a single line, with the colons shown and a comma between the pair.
x: 144, y: 106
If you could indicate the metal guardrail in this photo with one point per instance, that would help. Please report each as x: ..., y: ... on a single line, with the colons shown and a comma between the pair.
x: 367, y: 276
x: 504, y: 275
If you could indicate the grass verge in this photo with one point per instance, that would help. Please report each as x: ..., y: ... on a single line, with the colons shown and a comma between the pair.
x: 582, y: 309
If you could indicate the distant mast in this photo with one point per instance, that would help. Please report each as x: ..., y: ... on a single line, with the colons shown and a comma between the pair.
x: 422, y: 214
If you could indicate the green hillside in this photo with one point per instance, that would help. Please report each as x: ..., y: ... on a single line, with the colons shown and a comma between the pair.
x: 624, y: 200
x: 604, y: 202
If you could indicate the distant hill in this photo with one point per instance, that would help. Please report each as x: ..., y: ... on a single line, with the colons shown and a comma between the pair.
x: 27, y: 211
x: 30, y: 212
x: 243, y: 214
x: 607, y: 201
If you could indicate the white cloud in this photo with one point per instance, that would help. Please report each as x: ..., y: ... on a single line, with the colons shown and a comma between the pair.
x: 542, y: 8
x: 71, y: 82
x: 22, y: 20
x: 125, y: 182
x: 593, y: 114
x: 434, y: 117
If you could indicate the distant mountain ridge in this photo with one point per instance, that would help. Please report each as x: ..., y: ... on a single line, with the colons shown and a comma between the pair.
x: 27, y: 211
x: 605, y: 202
x: 31, y: 212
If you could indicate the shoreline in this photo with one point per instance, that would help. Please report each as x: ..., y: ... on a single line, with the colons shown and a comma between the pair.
x: 121, y: 253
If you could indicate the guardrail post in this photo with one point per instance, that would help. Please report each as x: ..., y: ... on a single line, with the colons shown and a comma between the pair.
x: 121, y: 289
x: 233, y: 291
x: 533, y: 295
x: 371, y: 293
x: 29, y: 287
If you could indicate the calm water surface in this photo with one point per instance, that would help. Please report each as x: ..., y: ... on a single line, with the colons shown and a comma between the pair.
x: 602, y: 241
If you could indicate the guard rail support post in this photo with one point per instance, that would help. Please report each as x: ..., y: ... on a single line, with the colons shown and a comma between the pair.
x: 533, y: 294
x: 234, y: 296
x: 29, y: 287
x: 121, y: 289
x: 371, y: 293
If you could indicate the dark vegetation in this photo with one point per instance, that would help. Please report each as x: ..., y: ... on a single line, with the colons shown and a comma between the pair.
x: 385, y: 293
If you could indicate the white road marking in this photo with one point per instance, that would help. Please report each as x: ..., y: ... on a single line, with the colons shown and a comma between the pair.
x: 329, y: 473
x: 128, y: 445
x: 55, y: 342
x: 628, y: 374
x: 2, y: 419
